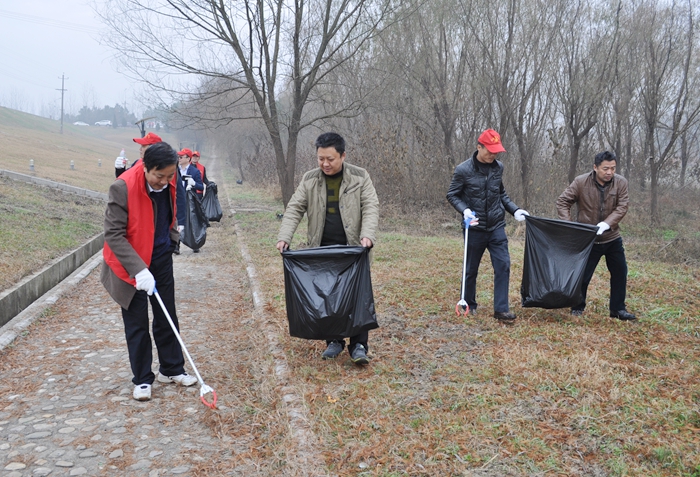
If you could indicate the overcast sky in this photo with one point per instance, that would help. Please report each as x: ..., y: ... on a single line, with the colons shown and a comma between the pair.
x: 44, y: 39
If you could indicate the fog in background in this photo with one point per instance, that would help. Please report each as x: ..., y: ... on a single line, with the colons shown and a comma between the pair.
x: 45, y: 39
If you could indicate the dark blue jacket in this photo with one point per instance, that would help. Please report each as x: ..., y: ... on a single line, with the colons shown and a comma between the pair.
x: 181, y: 200
x: 193, y: 172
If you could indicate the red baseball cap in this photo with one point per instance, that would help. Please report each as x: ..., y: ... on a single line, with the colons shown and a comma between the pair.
x: 148, y: 139
x: 196, y: 153
x: 491, y: 141
x: 185, y: 152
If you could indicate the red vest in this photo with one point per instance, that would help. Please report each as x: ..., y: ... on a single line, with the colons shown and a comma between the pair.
x: 140, y: 224
x: 201, y: 170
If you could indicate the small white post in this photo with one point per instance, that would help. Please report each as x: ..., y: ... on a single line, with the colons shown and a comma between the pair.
x: 31, y: 165
x: 72, y: 165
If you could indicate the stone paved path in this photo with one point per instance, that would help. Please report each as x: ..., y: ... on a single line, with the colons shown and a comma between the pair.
x: 65, y: 384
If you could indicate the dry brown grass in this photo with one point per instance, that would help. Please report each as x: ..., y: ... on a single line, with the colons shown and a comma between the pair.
x: 553, y: 395
x: 24, y: 137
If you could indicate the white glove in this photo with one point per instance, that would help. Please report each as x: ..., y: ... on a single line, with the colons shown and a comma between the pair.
x: 145, y: 281
x: 120, y: 162
x: 602, y: 227
x: 520, y: 214
x: 468, y: 214
x: 190, y: 183
x: 180, y: 228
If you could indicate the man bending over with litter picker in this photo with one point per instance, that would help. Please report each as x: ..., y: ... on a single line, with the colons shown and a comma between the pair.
x: 342, y: 209
x: 602, y: 200
x: 140, y: 236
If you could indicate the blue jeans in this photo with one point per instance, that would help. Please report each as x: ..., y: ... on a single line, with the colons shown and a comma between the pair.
x: 496, y: 243
x: 615, y: 259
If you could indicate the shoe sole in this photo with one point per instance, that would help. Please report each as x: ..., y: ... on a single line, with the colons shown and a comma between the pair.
x: 167, y: 380
x: 360, y: 361
x: 143, y: 398
x: 330, y: 357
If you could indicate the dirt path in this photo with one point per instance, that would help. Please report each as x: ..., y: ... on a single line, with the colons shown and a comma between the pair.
x: 65, y: 384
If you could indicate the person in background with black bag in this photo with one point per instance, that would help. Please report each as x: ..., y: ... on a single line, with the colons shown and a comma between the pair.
x: 602, y: 200
x: 191, y: 178
x: 342, y: 208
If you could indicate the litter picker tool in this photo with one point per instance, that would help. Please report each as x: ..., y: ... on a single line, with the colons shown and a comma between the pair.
x: 203, y: 388
x: 462, y: 303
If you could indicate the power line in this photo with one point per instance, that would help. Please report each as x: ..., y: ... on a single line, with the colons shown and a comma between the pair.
x: 49, y: 22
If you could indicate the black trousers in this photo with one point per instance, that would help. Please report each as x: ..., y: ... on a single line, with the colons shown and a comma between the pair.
x: 615, y: 259
x: 138, y: 339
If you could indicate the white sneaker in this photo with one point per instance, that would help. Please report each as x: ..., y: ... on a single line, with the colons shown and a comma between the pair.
x: 181, y: 379
x: 142, y: 392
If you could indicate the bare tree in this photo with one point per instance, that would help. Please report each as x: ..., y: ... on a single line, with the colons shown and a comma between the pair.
x: 277, y: 51
x: 669, y: 83
x: 517, y: 40
x: 589, y: 49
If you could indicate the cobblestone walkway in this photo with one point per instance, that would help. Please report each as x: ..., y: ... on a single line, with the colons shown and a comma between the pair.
x: 65, y: 384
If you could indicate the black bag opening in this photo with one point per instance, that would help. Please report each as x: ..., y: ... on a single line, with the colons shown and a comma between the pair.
x: 556, y: 252
x: 328, y: 291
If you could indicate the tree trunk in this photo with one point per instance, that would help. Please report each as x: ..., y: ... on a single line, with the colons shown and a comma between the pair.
x: 573, y: 158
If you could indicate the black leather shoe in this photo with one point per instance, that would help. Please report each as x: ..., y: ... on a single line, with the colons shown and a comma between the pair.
x: 505, y: 317
x: 623, y: 315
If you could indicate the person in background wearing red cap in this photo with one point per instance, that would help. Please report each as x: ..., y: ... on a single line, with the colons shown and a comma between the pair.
x: 478, y: 194
x: 189, y: 177
x: 140, y: 230
x: 200, y: 167
x: 148, y: 140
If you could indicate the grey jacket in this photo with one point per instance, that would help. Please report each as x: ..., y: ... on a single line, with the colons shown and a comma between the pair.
x: 359, y: 207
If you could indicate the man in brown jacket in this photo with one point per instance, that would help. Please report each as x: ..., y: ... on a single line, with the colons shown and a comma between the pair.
x: 602, y: 201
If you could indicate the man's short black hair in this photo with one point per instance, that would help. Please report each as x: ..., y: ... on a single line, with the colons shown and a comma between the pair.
x: 604, y: 156
x: 159, y: 156
x: 331, y: 139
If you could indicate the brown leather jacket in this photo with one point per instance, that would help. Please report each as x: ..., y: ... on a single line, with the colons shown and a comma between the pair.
x: 594, y: 205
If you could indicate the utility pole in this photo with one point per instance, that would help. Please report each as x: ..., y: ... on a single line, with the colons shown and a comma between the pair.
x: 62, y: 90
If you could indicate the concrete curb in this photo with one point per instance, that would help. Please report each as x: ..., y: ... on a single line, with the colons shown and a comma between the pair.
x: 55, y: 185
x: 19, y: 297
x: 19, y: 323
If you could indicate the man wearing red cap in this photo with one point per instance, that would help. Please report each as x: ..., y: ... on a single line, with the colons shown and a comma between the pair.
x: 200, y: 167
x: 478, y: 194
x: 146, y: 141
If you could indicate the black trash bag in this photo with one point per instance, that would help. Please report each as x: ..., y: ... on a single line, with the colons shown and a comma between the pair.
x: 328, y: 292
x: 556, y: 252
x: 196, y: 223
x: 210, y: 202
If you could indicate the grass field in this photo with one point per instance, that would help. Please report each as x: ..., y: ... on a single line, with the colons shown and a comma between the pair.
x: 461, y: 396
x: 447, y: 395
x: 25, y: 137
x: 38, y: 224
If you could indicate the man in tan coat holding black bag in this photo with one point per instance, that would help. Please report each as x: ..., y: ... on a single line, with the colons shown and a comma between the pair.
x: 342, y: 208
